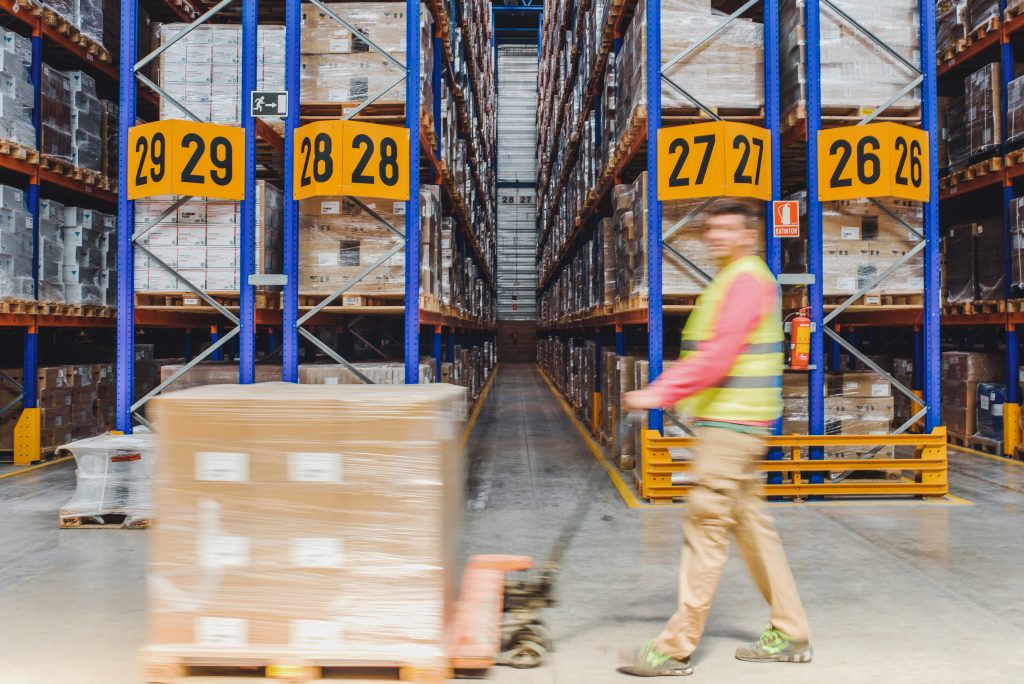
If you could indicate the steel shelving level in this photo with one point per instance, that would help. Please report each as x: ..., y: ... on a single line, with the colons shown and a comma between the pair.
x: 262, y: 142
x: 1000, y: 184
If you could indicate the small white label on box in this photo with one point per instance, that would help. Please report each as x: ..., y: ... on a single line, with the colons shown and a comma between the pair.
x: 846, y: 283
x: 915, y: 283
x: 191, y: 301
x: 219, y: 466
x: 997, y: 409
x: 317, y: 552
x: 327, y: 258
x: 872, y: 300
x: 399, y: 209
x: 330, y: 207
x: 849, y: 232
x: 879, y: 389
x: 223, y: 551
x: 316, y: 635
x: 984, y: 403
x: 398, y: 260
x: 351, y: 300
x: 230, y: 632
x: 314, y: 467
x: 341, y: 45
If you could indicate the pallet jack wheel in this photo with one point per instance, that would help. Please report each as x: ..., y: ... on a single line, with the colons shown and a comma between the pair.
x: 525, y: 654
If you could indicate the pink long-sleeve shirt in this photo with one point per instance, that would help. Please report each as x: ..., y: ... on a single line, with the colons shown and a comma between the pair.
x: 746, y: 302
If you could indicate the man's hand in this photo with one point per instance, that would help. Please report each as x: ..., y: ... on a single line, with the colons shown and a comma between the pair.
x: 640, y: 400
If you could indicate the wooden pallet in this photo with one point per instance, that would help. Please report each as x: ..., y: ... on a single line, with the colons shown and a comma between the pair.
x: 161, y: 666
x: 984, y: 31
x: 956, y: 439
x: 63, y: 167
x: 18, y: 306
x: 311, y: 299
x: 68, y: 309
x: 381, y: 111
x: 950, y: 52
x: 986, y: 445
x: 979, y: 307
x: 111, y: 520
x: 1018, y: 452
x: 1015, y: 305
x: 12, y: 149
x: 186, y: 300
x: 1014, y: 8
x: 672, y: 116
x: 879, y: 300
x: 848, y: 115
x: 1014, y: 158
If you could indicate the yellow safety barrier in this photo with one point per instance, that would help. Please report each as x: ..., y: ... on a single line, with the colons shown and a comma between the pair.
x: 1011, y: 428
x: 929, y: 466
x: 27, y: 446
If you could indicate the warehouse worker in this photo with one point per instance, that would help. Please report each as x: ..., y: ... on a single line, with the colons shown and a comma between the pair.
x: 731, y: 378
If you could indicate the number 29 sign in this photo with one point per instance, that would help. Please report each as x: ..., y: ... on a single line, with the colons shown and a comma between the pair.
x: 174, y: 157
x: 351, y: 158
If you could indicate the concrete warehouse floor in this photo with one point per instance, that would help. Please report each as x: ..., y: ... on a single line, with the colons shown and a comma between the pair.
x: 900, y: 592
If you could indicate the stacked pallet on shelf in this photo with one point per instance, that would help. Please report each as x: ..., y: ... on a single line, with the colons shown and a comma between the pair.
x: 17, y: 94
x: 962, y: 374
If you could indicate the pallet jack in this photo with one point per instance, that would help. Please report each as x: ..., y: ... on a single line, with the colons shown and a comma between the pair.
x: 513, y: 585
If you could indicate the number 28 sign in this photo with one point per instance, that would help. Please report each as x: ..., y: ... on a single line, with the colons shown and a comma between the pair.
x: 875, y: 160
x: 174, y: 157
x: 351, y: 158
x: 720, y: 158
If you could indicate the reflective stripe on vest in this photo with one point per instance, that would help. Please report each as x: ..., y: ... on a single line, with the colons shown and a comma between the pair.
x: 758, y: 348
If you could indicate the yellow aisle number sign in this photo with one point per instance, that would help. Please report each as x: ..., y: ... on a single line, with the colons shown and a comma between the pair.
x: 317, y: 159
x: 175, y: 157
x: 720, y: 158
x: 351, y: 158
x: 874, y: 160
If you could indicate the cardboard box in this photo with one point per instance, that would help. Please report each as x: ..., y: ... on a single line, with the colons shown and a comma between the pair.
x: 858, y: 384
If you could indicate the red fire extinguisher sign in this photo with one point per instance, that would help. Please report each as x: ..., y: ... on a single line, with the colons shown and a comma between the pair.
x: 786, y: 221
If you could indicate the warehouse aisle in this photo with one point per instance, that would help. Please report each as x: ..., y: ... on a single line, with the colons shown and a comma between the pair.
x: 901, y: 592
x: 905, y: 592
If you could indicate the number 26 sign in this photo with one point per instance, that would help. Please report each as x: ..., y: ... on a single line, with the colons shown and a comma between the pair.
x: 351, y: 158
x: 175, y: 157
x: 875, y: 160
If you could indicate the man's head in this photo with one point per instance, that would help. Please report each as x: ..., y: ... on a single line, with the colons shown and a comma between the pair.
x: 729, y: 231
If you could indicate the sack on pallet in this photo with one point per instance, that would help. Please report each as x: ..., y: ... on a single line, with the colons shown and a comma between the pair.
x: 113, y: 476
x: 991, y: 397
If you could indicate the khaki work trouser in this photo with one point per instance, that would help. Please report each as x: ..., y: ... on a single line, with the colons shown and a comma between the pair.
x: 724, y: 500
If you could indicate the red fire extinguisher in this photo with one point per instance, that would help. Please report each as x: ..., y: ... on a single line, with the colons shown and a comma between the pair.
x: 800, y: 340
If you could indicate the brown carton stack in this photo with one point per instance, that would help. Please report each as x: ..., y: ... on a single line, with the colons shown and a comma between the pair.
x: 54, y: 390
x: 306, y: 521
x: 905, y: 409
x: 961, y: 373
x: 960, y: 264
x: 983, y: 110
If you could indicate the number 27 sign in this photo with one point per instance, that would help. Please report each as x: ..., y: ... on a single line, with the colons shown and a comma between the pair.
x: 351, y: 158
x: 720, y: 158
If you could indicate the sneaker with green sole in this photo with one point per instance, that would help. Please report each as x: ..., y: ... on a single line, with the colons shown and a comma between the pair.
x: 648, y: 661
x: 775, y: 647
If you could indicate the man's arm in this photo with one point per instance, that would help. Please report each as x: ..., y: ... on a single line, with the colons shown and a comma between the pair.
x: 741, y: 310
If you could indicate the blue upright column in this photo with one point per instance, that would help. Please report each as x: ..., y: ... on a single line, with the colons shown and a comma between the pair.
x: 290, y: 296
x: 654, y: 313
x: 620, y: 341
x: 218, y: 353
x: 247, y: 211
x: 125, y: 379
x: 816, y: 376
x: 932, y: 278
x: 772, y: 114
x: 436, y: 352
x: 412, y: 207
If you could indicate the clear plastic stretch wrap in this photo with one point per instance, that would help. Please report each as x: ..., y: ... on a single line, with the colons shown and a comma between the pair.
x: 1015, y: 109
x: 678, y: 277
x: 17, y: 95
x: 113, y: 476
x: 338, y: 66
x: 957, y: 139
x: 990, y: 400
x: 855, y: 72
x: 983, y: 13
x: 960, y: 263
x: 55, y: 114
x: 15, y: 245
x: 86, y: 122
x: 339, y: 239
x: 200, y: 240
x: 307, y: 520
x: 951, y: 24
x: 983, y: 110
x: 89, y: 18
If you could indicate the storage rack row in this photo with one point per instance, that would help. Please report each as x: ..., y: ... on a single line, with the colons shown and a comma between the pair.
x: 835, y: 326
x: 246, y: 322
x: 992, y: 182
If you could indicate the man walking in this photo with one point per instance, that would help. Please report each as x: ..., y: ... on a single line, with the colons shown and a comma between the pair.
x: 730, y: 375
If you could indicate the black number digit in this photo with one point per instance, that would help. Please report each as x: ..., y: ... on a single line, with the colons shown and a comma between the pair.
x: 759, y: 144
x: 709, y: 142
x: 188, y: 173
x: 388, y: 161
x: 916, y: 168
x: 866, y: 158
x: 158, y: 157
x: 739, y: 176
x: 683, y: 148
x: 323, y: 164
x: 306, y: 150
x: 904, y: 150
x: 141, y: 147
x: 845, y: 151
x: 221, y: 162
x: 364, y: 141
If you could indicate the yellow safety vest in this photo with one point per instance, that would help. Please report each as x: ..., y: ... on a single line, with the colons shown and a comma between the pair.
x: 753, y: 388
